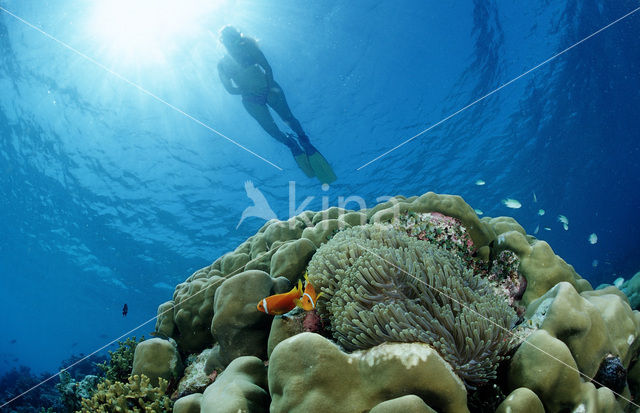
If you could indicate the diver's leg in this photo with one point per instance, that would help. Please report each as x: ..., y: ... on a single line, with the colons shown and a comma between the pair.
x: 317, y: 163
x: 261, y: 114
x: 278, y: 102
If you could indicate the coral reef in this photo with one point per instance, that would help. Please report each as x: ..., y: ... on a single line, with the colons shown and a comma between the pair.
x: 137, y: 395
x: 157, y: 358
x: 450, y: 234
x: 188, y: 404
x: 541, y: 268
x: 195, y: 378
x: 521, y: 400
x: 291, y: 259
x: 118, y: 367
x: 407, y: 404
x: 511, y: 283
x: 187, y: 318
x: 295, y: 322
x: 242, y: 387
x: 72, y: 392
x: 238, y: 328
x: 90, y: 365
x: 18, y: 380
x: 437, y: 229
x: 40, y: 394
x: 611, y: 374
x: 576, y: 343
x: 631, y: 288
x: 574, y: 333
x: 327, y: 379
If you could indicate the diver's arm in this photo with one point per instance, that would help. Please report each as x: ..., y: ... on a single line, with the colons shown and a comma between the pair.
x: 262, y: 61
x: 226, y: 81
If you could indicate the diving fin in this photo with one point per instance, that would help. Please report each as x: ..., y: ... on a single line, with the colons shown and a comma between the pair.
x: 321, y: 168
x: 303, y: 162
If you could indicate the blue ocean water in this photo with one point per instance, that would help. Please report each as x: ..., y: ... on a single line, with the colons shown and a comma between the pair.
x: 114, y: 188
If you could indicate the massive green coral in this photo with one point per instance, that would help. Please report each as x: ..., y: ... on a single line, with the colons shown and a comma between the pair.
x: 381, y: 285
x: 573, y: 334
x: 326, y: 379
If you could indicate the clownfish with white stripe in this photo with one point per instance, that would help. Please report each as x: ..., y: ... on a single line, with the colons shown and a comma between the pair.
x: 309, y: 298
x: 281, y: 303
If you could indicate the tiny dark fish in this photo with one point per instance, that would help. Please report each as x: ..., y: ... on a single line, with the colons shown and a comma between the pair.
x: 74, y: 344
x: 125, y: 310
x: 103, y: 335
x: 13, y: 341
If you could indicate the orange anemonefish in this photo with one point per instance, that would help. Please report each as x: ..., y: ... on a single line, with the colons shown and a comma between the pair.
x: 309, y: 297
x: 281, y: 303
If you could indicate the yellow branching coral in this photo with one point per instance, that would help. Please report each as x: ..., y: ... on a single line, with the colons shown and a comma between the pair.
x: 383, y: 286
x: 118, y: 368
x: 135, y: 396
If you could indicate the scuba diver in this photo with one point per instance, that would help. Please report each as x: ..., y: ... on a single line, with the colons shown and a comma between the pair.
x: 246, y: 72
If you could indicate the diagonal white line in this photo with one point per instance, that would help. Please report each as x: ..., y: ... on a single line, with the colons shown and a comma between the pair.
x: 589, y: 379
x: 499, y: 88
x: 234, y: 272
x: 137, y: 86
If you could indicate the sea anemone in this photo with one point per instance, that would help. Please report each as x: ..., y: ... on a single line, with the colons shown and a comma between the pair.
x: 381, y: 285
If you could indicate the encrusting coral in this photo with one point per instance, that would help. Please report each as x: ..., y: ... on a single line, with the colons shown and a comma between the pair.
x: 383, y: 286
x: 438, y: 229
x: 449, y: 233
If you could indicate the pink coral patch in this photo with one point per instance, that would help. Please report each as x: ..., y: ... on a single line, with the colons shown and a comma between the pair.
x: 312, y: 322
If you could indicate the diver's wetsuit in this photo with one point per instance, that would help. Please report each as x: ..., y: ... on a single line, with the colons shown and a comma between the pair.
x: 248, y: 69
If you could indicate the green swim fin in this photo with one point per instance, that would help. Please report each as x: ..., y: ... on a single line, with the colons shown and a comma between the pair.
x: 303, y: 162
x: 321, y: 168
